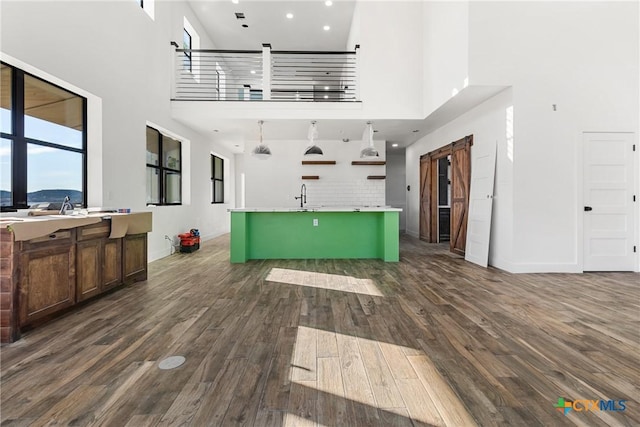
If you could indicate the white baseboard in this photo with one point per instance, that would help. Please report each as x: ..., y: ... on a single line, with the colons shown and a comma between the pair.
x: 156, y: 255
x: 413, y: 233
x: 544, y: 268
x: 212, y: 236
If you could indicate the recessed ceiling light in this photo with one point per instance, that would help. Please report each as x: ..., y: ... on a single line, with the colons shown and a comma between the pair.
x: 326, y: 88
x: 289, y: 15
x: 235, y: 1
x: 326, y: 97
x: 216, y: 130
x: 326, y: 28
x: 394, y: 145
x: 253, y: 71
x: 416, y: 130
x: 245, y: 26
x: 328, y: 2
x: 375, y: 131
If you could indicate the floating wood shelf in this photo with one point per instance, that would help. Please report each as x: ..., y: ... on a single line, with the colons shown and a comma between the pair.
x: 369, y: 163
x: 376, y: 177
x: 310, y: 177
x: 318, y: 162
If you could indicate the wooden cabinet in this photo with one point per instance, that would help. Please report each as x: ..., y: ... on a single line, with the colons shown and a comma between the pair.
x: 112, y: 263
x: 134, y: 253
x: 47, y: 276
x: 44, y: 275
x: 98, y: 261
x: 88, y: 269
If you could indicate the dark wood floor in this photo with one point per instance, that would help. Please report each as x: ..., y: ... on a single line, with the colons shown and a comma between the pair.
x: 431, y: 340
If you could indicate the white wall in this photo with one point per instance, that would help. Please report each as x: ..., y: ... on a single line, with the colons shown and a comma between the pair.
x: 446, y: 51
x: 390, y: 65
x: 395, y: 186
x: 581, y: 57
x: 488, y: 125
x: 116, y: 52
x: 275, y: 182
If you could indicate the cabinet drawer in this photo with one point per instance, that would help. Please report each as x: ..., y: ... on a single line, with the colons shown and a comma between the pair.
x: 94, y: 231
x: 60, y: 237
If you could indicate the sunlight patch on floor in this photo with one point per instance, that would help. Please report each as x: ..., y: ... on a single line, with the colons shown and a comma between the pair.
x: 349, y: 370
x: 334, y: 282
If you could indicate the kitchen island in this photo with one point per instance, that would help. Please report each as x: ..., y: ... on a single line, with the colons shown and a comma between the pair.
x: 315, y: 233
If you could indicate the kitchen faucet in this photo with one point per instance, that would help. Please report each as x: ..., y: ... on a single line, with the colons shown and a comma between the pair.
x: 303, y: 195
x: 66, y: 205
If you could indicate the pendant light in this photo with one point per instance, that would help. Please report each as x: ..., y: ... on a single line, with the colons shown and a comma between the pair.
x: 367, y: 137
x: 312, y: 134
x: 261, y: 151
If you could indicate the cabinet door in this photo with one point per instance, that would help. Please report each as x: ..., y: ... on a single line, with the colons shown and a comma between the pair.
x: 47, y: 281
x: 134, y: 252
x: 112, y: 263
x: 88, y: 269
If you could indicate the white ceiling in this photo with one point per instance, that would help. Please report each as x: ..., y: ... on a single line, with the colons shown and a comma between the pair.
x: 268, y: 23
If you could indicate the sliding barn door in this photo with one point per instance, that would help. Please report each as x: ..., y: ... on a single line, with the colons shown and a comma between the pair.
x: 425, y: 198
x: 460, y: 184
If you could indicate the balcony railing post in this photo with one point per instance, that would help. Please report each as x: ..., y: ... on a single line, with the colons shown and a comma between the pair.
x: 266, y: 71
x: 174, y: 72
x: 357, y: 72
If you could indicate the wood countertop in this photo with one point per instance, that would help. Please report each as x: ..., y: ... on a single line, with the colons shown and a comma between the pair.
x: 30, y: 227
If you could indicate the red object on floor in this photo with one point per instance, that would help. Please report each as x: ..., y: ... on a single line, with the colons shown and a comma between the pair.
x: 189, y: 242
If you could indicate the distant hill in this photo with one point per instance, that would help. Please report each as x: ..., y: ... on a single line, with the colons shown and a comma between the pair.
x: 41, y: 196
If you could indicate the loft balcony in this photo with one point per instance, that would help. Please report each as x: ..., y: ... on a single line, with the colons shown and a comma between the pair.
x: 265, y: 75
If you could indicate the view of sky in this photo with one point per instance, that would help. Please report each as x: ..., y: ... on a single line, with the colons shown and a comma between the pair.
x: 48, y: 168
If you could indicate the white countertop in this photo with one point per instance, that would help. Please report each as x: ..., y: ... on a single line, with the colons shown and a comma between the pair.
x: 322, y: 209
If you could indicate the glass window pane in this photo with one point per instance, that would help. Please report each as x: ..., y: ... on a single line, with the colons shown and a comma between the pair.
x: 5, y: 172
x: 217, y: 167
x: 52, y: 114
x: 218, y: 191
x: 153, y: 146
x: 172, y: 187
x: 171, y: 152
x: 186, y: 40
x: 53, y: 174
x: 6, y: 99
x: 153, y: 185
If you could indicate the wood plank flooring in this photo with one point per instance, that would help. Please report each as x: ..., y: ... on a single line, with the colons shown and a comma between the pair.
x: 429, y: 341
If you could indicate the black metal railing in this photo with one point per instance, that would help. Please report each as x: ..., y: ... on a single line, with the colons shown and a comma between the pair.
x: 218, y: 75
x: 246, y: 75
x: 313, y: 76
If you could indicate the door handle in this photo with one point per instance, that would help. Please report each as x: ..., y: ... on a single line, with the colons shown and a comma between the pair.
x: 588, y: 208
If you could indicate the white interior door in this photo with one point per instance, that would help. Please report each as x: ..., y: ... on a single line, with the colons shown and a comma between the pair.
x: 608, y: 202
x: 483, y: 170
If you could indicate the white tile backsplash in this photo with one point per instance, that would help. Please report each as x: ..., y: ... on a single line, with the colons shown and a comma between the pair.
x: 362, y: 192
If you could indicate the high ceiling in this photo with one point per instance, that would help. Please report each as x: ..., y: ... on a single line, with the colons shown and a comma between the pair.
x: 267, y: 23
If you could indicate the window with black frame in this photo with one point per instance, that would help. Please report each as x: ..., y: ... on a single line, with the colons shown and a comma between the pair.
x: 217, y: 179
x: 164, y: 169
x: 43, y: 144
x: 186, y: 44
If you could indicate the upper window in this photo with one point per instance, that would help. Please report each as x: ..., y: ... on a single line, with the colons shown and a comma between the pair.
x: 148, y: 6
x: 217, y: 179
x: 186, y: 44
x: 164, y: 169
x: 43, y: 145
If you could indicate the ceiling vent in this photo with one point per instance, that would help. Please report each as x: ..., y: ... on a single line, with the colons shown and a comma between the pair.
x: 239, y: 15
